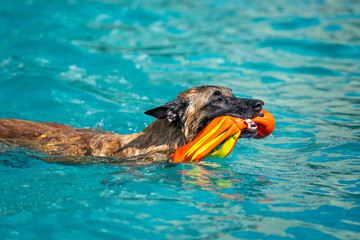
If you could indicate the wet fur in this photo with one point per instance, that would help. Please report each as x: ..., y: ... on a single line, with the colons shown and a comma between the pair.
x: 178, y: 122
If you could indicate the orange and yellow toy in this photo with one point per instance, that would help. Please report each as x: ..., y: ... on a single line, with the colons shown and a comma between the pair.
x: 223, y: 130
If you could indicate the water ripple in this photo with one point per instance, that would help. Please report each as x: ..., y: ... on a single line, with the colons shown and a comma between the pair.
x: 82, y: 62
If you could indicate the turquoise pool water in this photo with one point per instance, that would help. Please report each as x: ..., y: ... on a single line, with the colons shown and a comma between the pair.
x: 84, y: 62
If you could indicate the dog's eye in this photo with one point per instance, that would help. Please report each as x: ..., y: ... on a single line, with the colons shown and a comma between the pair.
x: 217, y: 100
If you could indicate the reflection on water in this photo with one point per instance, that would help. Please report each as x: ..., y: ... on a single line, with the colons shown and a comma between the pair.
x: 88, y: 62
x: 224, y: 183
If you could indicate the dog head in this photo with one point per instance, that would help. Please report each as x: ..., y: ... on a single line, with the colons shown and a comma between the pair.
x: 193, y: 109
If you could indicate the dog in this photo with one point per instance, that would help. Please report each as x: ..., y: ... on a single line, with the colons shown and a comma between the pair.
x: 177, y: 123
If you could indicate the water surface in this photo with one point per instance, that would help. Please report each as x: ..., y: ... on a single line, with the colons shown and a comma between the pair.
x: 83, y: 62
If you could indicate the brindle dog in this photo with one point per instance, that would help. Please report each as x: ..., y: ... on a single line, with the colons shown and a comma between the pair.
x: 178, y: 122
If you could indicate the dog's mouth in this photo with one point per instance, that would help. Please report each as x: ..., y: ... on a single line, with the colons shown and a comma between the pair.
x: 249, y: 132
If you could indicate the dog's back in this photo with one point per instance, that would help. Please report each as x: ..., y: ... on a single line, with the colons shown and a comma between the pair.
x: 16, y: 128
x: 46, y: 136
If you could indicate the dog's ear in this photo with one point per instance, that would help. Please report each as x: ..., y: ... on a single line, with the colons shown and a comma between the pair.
x: 169, y: 110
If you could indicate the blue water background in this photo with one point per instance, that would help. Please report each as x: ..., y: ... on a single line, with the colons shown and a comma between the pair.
x: 83, y: 62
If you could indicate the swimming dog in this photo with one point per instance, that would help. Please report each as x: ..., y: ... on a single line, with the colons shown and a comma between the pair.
x: 177, y: 123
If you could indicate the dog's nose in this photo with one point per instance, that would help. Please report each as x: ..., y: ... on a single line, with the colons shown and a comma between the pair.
x: 257, y: 105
